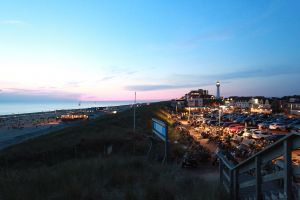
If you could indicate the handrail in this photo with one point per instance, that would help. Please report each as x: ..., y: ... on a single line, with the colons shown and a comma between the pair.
x: 228, y: 164
x: 282, y: 147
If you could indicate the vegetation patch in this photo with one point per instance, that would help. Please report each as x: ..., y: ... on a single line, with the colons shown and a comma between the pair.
x: 74, y: 163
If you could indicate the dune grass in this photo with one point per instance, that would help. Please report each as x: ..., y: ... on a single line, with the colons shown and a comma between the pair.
x: 72, y: 164
x: 105, y: 178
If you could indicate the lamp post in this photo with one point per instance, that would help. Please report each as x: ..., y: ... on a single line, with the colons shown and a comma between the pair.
x: 176, y: 105
x: 189, y: 113
x: 134, y: 112
x: 221, y: 108
x: 219, y: 116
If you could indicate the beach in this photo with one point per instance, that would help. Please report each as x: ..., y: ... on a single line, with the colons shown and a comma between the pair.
x: 17, y: 128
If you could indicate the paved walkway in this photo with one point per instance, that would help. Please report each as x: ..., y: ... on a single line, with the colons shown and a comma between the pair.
x: 206, y: 171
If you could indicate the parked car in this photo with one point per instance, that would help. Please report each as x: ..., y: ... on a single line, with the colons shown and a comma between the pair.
x: 226, y: 124
x: 278, y: 126
x: 236, y: 128
x: 263, y: 125
x: 247, y: 134
x: 259, y: 134
x: 213, y: 122
x: 235, y: 124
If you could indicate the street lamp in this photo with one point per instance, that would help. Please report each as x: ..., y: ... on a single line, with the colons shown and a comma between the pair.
x: 189, y: 113
x: 176, y: 105
x: 219, y: 116
x: 220, y: 112
x: 134, y: 112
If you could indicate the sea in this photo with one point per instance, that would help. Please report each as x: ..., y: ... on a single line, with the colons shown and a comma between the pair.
x: 8, y: 108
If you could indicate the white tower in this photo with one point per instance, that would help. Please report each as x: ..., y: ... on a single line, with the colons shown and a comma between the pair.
x: 218, y: 90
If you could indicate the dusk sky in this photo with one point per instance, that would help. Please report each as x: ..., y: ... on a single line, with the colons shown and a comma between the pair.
x: 106, y: 50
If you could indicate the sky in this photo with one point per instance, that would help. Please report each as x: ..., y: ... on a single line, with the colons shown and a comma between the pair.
x: 96, y: 50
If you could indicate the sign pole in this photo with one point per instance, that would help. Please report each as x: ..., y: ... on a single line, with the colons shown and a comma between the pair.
x: 166, y: 146
x: 160, y: 129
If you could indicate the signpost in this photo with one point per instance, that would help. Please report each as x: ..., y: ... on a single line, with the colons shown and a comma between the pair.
x: 160, y: 129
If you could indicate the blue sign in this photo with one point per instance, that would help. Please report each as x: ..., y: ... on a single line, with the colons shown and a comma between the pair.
x: 159, y: 128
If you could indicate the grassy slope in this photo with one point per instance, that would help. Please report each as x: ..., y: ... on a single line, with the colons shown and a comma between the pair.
x: 70, y: 164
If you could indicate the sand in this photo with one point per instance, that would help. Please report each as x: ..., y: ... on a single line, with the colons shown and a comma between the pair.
x: 15, y: 129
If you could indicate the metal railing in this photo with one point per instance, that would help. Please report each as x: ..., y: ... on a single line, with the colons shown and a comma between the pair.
x: 269, y: 174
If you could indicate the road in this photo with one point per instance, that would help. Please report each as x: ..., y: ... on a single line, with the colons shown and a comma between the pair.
x: 6, y: 142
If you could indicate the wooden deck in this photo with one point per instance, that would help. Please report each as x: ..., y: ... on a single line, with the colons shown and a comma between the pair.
x: 269, y: 174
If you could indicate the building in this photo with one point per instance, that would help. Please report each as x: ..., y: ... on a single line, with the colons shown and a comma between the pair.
x: 197, y: 98
x: 293, y: 106
x: 254, y: 104
x: 73, y: 117
x: 241, y: 102
x: 260, y: 103
x: 178, y: 103
x: 260, y: 106
x: 196, y: 102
